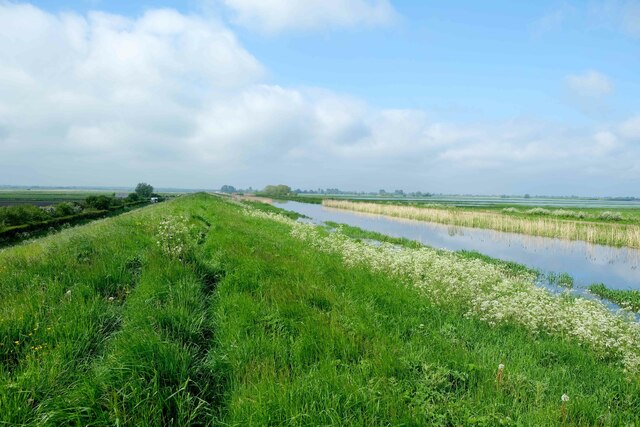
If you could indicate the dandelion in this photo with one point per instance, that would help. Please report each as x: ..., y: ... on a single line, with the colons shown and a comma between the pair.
x: 563, y: 408
x: 500, y: 374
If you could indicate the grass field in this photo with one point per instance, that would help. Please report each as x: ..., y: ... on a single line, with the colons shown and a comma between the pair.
x: 45, y: 197
x: 614, y: 228
x: 202, y: 311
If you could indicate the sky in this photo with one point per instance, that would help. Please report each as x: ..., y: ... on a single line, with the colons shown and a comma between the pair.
x: 461, y: 97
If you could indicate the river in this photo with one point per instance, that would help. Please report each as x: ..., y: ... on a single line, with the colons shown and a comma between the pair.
x: 618, y: 268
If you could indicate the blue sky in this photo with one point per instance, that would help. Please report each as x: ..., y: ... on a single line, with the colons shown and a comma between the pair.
x: 460, y: 96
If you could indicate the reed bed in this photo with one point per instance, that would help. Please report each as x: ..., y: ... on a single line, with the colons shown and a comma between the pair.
x: 627, y: 235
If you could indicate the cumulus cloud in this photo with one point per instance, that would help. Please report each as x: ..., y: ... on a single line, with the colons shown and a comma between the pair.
x: 176, y: 100
x: 279, y: 15
x: 590, y: 84
x: 104, y: 83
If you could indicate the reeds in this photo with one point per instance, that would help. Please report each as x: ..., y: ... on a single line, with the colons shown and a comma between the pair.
x: 605, y: 234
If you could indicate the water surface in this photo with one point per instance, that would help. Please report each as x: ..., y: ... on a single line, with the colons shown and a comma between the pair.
x: 587, y: 263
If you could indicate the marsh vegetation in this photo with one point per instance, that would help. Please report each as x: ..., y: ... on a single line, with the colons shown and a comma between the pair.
x: 607, y: 230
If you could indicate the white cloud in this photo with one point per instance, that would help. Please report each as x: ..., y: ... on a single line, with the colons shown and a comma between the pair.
x: 590, y: 84
x: 175, y: 100
x: 69, y: 80
x: 278, y: 15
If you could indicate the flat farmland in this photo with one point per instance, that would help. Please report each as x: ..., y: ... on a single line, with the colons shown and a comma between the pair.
x: 45, y: 197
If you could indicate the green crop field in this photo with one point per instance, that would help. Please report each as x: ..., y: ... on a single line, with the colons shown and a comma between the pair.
x: 205, y: 311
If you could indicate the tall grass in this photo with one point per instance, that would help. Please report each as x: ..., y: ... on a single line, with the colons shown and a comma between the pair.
x: 629, y: 298
x: 247, y: 324
x: 601, y: 233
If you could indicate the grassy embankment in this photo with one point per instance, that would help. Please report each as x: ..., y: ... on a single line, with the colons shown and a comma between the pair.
x: 10, y: 235
x: 605, y: 232
x: 246, y: 318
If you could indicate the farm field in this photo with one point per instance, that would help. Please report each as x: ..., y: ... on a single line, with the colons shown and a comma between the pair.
x: 606, y: 227
x: 206, y: 311
x: 9, y: 197
x: 45, y: 197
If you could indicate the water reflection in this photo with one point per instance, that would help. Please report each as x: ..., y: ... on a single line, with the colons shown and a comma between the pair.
x: 586, y: 263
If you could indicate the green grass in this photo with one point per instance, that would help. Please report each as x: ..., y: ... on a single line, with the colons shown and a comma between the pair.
x: 14, y: 234
x: 623, y: 297
x: 563, y: 279
x: 266, y: 207
x: 358, y: 233
x: 361, y: 234
x: 253, y: 327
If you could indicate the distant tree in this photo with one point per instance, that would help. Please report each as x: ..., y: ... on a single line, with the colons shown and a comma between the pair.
x: 527, y: 196
x: 382, y: 192
x: 144, y: 190
x: 277, y: 190
x: 228, y: 189
x: 399, y: 193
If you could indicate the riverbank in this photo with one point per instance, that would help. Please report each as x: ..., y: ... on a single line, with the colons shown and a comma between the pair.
x: 603, y: 233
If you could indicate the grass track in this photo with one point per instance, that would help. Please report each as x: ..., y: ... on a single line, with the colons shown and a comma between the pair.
x: 253, y: 327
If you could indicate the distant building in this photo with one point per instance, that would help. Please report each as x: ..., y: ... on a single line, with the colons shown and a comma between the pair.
x: 154, y: 200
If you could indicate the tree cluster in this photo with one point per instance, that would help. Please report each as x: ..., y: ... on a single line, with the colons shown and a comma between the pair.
x: 277, y: 190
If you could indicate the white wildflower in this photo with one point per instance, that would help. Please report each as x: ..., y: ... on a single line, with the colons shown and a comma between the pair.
x: 485, y: 291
